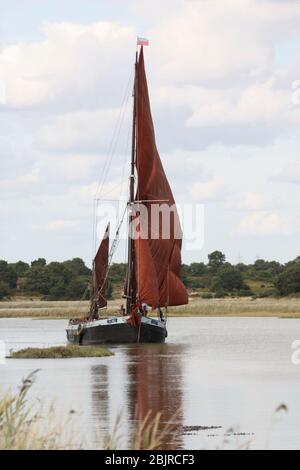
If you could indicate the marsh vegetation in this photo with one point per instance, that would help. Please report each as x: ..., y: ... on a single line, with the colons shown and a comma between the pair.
x: 61, y: 352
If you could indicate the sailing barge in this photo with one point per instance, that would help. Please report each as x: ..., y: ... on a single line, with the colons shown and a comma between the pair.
x: 153, y: 264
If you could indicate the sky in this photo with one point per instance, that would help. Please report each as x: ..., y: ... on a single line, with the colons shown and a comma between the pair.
x: 224, y: 82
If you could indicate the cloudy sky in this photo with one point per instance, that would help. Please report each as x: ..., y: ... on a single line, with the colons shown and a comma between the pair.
x: 224, y: 79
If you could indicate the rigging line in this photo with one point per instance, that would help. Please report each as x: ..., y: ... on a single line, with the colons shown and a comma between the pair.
x: 94, y: 229
x: 115, y: 133
x: 112, y: 251
x: 111, y: 146
x: 83, y: 297
x: 108, y: 161
x: 115, y: 145
x: 125, y: 163
x: 107, y: 167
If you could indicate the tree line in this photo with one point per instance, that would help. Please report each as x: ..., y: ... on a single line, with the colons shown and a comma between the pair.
x: 70, y: 280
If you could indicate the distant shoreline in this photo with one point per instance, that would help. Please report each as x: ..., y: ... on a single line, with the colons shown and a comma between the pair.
x: 228, y: 307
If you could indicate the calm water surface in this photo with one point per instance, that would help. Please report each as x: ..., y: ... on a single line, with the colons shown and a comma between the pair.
x: 213, y: 374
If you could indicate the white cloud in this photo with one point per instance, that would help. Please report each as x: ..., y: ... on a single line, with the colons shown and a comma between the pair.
x: 290, y: 173
x: 68, y: 169
x: 220, y: 68
x: 75, y: 63
x: 252, y: 201
x: 59, y: 225
x: 27, y: 179
x: 109, y: 191
x: 209, y: 191
x: 213, y: 41
x: 257, y: 103
x: 79, y: 130
x: 264, y: 224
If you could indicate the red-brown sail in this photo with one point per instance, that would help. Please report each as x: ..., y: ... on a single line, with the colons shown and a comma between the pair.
x: 100, y: 267
x: 157, y: 261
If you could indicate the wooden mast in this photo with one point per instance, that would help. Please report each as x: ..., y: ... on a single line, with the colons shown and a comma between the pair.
x: 131, y: 281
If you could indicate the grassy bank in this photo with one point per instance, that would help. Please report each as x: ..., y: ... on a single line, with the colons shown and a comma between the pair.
x: 61, y: 352
x: 63, y: 309
x: 238, y: 307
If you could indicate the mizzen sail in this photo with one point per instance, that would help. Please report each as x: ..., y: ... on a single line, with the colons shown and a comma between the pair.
x: 100, y: 269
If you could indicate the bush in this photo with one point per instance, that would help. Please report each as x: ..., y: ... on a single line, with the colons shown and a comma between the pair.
x: 4, y: 290
x: 57, y: 281
x: 207, y: 296
x: 245, y: 293
x: 221, y: 294
x: 288, y: 282
x: 7, y: 274
x: 229, y: 279
x: 20, y: 268
x: 266, y: 293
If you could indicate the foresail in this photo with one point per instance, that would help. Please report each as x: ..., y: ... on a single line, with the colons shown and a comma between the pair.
x: 158, y: 261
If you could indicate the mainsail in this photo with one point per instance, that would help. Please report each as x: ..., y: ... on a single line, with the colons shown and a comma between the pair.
x: 157, y: 260
x: 100, y: 269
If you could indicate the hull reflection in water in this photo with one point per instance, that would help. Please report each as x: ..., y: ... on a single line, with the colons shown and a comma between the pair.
x: 148, y: 378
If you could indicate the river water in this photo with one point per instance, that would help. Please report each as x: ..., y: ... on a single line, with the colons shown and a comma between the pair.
x: 218, y: 381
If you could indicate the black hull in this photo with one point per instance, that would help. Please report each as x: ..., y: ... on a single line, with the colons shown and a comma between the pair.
x: 119, y: 333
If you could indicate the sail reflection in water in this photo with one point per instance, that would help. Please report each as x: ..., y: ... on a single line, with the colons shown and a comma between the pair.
x: 100, y: 394
x: 148, y: 378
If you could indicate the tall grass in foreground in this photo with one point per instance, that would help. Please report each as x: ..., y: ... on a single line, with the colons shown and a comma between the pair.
x: 22, y: 427
x: 150, y: 434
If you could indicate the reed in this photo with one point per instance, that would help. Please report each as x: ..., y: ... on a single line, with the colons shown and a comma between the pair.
x: 150, y: 433
x: 22, y: 426
x: 240, y: 307
x: 234, y: 307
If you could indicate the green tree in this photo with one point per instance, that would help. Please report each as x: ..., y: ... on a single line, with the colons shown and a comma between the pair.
x: 7, y: 274
x: 37, y: 281
x: 117, y: 272
x: 59, y: 278
x: 20, y: 268
x: 288, y: 282
x: 266, y: 270
x: 40, y: 262
x: 57, y: 292
x: 76, y: 289
x: 77, y: 267
x: 197, y: 269
x: 216, y: 260
x: 4, y: 289
x: 228, y: 279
